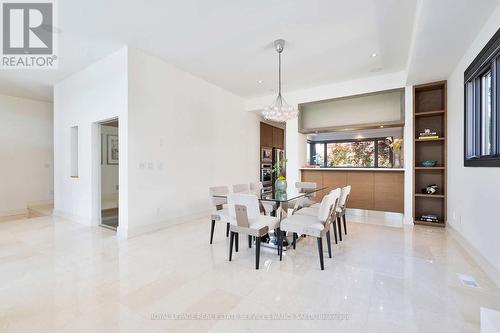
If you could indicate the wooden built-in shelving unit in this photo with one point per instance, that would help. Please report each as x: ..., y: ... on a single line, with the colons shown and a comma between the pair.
x: 429, y: 111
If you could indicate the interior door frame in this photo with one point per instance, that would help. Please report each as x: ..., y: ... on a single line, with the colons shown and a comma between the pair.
x: 98, y: 163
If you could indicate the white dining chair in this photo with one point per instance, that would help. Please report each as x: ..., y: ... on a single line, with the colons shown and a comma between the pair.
x: 220, y: 213
x: 241, y: 188
x: 313, y: 211
x: 344, y: 198
x: 315, y: 226
x: 256, y: 188
x: 245, y: 218
x: 305, y: 187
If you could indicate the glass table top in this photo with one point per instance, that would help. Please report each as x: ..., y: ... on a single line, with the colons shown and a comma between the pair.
x: 283, y: 196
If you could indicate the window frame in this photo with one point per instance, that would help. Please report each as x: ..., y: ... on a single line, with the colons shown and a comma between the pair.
x: 312, y: 150
x: 487, y: 60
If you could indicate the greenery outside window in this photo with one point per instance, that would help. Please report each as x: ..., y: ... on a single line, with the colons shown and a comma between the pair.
x: 363, y: 153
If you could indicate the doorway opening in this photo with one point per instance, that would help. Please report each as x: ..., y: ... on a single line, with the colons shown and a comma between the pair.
x: 109, y: 179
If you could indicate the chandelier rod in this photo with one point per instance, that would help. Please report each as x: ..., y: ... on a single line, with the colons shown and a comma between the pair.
x: 279, y: 73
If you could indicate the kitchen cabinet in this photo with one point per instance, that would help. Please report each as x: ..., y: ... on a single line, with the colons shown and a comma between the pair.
x: 266, y: 135
x: 376, y: 189
x: 278, y: 138
x: 271, y: 137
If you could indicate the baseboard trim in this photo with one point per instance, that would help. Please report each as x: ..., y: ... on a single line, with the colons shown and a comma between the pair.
x: 126, y: 233
x: 485, y: 265
x: 14, y: 212
x: 72, y: 217
x: 39, y: 203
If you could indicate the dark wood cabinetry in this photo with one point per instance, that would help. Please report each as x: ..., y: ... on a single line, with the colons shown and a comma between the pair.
x: 271, y: 137
x: 381, y: 190
x: 266, y: 135
x: 278, y: 138
x: 429, y: 103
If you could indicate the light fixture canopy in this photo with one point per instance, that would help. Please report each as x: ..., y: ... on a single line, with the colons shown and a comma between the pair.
x: 279, y: 111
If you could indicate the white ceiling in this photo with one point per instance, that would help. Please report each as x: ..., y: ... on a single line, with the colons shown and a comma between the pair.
x: 228, y: 43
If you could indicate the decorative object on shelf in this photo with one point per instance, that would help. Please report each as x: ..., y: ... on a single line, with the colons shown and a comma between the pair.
x: 430, y: 189
x: 280, y: 111
x: 428, y: 163
x: 429, y: 218
x: 428, y: 135
x: 396, y: 145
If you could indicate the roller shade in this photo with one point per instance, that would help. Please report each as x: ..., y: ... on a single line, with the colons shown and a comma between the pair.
x: 360, y: 111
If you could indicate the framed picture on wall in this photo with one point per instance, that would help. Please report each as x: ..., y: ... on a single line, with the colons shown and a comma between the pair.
x: 112, y: 149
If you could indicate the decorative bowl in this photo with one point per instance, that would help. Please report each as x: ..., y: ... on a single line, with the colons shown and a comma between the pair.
x: 429, y: 163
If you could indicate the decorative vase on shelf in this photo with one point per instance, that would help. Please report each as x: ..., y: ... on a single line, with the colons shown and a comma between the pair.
x: 280, y: 184
x: 397, y: 158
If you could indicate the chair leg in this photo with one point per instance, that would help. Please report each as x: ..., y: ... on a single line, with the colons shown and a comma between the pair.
x: 320, y: 251
x: 257, y: 252
x: 294, y: 239
x: 249, y: 241
x: 236, y: 241
x: 231, y: 239
x: 329, y: 243
x: 335, y: 231
x: 227, y: 229
x: 277, y: 233
x: 282, y: 235
x: 345, y: 226
x: 212, y: 231
x: 339, y: 226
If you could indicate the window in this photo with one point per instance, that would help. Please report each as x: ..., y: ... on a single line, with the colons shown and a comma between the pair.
x: 366, y: 153
x: 482, y: 107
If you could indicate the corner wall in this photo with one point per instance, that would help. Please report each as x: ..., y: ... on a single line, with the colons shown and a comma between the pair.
x: 26, y: 171
x: 185, y: 135
x: 473, y: 193
x: 97, y: 93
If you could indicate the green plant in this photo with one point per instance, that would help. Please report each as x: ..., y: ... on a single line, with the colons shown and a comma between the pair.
x: 278, y: 167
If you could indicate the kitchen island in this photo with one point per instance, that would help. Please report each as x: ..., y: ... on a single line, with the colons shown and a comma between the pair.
x: 380, y: 189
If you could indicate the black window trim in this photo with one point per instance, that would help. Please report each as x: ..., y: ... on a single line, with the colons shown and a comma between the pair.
x: 312, y: 150
x: 488, y: 58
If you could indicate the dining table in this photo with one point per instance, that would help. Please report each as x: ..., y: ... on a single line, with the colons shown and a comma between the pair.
x: 282, y: 201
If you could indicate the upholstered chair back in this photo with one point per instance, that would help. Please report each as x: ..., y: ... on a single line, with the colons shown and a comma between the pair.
x: 250, y: 201
x: 241, y: 188
x: 217, y: 190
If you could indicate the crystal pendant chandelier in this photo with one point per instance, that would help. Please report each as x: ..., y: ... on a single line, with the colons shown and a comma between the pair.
x: 279, y: 111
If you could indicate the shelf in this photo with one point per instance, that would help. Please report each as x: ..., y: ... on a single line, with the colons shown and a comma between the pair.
x: 425, y: 140
x: 430, y: 168
x: 422, y: 195
x: 434, y: 224
x: 429, y: 114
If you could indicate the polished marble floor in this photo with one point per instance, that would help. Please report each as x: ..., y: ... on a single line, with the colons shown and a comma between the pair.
x: 59, y: 276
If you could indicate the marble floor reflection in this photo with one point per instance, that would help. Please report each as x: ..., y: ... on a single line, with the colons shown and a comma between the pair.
x: 59, y: 276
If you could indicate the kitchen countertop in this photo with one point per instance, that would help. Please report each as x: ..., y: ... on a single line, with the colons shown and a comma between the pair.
x: 355, y: 169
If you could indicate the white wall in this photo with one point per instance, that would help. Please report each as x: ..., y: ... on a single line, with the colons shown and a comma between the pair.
x: 296, y: 143
x: 94, y: 94
x: 184, y: 135
x: 473, y: 193
x: 109, y: 172
x: 25, y: 152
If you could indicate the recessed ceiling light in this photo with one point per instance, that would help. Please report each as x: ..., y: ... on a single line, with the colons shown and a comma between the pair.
x: 374, y: 55
x: 260, y: 81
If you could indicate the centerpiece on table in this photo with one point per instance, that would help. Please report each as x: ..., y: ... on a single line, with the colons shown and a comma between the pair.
x: 395, y: 145
x: 280, y: 183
